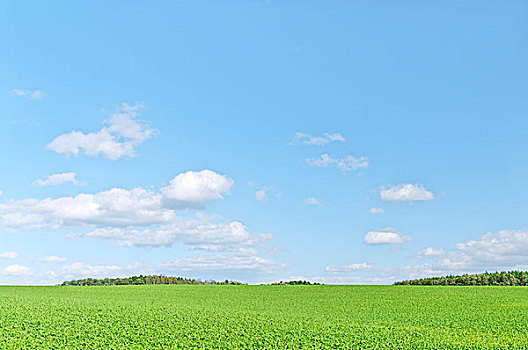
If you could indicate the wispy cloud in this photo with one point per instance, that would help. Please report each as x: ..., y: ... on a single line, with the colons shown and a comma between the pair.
x: 9, y: 255
x: 57, y: 179
x: 313, y: 201
x: 348, y: 268
x: 261, y: 194
x: 31, y: 94
x: 301, y: 138
x: 377, y: 211
x: 347, y: 163
x: 53, y: 259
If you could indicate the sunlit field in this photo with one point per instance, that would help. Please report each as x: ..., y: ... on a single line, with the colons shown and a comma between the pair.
x: 263, y: 317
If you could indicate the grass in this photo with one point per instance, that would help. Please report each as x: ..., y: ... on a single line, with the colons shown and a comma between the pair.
x: 263, y: 317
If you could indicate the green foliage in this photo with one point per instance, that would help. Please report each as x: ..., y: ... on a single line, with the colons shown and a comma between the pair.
x: 510, y: 278
x: 137, y: 280
x: 263, y: 317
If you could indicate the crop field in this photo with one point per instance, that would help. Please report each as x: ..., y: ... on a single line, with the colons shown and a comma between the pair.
x: 263, y: 317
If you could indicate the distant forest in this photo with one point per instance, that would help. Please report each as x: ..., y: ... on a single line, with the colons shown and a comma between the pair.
x: 138, y: 280
x: 295, y: 283
x: 509, y: 278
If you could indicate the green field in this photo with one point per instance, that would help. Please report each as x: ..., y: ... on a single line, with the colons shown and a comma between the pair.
x: 263, y: 317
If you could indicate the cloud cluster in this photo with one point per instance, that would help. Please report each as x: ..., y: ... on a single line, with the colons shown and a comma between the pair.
x: 120, y: 137
x: 144, y: 218
x: 502, y: 250
x: 306, y: 139
x: 406, y: 193
x: 116, y: 207
x: 225, y: 262
x: 347, y: 163
x: 191, y: 231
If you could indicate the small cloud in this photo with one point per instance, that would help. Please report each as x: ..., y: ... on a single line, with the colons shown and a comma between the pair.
x: 377, y: 211
x: 347, y: 163
x: 16, y: 270
x: 349, y: 268
x: 54, y: 259
x: 32, y: 94
x: 9, y: 255
x: 57, y: 179
x: 261, y: 195
x: 430, y: 251
x: 197, y: 188
x: 301, y: 138
x: 406, y: 193
x: 312, y: 201
x: 385, y: 236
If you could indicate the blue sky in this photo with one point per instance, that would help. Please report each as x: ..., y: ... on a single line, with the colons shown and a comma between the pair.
x: 353, y: 142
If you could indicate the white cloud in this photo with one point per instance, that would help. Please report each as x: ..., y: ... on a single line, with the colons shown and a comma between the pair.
x: 347, y: 163
x: 82, y: 270
x: 225, y: 262
x: 115, y: 207
x: 261, y: 195
x: 53, y: 259
x: 385, y: 236
x: 216, y: 266
x: 382, y: 276
x: 147, y: 218
x: 306, y: 139
x: 120, y: 137
x: 57, y: 179
x: 377, y: 211
x: 187, y: 230
x: 16, y: 270
x: 503, y: 250
x: 9, y: 255
x: 430, y: 251
x: 312, y: 201
x: 348, y: 268
x: 406, y: 193
x: 32, y: 94
x: 194, y: 189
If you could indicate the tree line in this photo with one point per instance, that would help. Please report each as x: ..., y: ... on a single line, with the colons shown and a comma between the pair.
x: 295, y: 283
x: 507, y: 278
x: 139, y: 280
